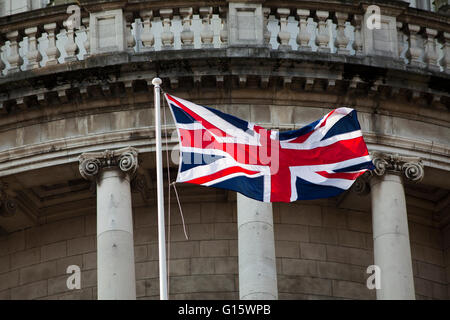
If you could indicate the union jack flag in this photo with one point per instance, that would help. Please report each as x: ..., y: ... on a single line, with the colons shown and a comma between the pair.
x: 219, y: 150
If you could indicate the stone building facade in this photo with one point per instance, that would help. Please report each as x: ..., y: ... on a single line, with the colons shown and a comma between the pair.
x: 69, y: 90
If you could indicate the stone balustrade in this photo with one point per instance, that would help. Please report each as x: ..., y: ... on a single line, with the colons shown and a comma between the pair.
x: 43, y: 38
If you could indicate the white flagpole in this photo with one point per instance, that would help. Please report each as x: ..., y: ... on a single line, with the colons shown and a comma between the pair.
x: 160, y: 188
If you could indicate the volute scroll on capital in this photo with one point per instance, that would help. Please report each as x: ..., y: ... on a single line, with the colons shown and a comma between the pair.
x: 410, y: 168
x: 126, y: 159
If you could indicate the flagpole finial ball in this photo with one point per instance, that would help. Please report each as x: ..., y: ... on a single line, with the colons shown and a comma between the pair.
x: 156, y: 81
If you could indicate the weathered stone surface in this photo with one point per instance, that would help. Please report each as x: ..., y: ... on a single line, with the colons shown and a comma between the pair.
x: 214, y: 248
x: 200, y: 231
x: 30, y: 291
x: 291, y: 232
x: 297, y: 267
x: 323, y: 235
x: 352, y: 239
x: 146, y: 270
x: 225, y: 231
x: 179, y: 267
x: 186, y: 249
x: 58, y: 284
x: 349, y: 255
x: 25, y: 258
x: 287, y: 249
x: 5, y: 264
x: 352, y: 290
x: 145, y: 235
x: 313, y: 251
x: 54, y: 251
x: 332, y: 270
x: 82, y: 294
x: 226, y: 265
x: 431, y: 272
x: 89, y: 278
x: 295, y: 284
x: 359, y: 221
x: 90, y: 261
x: 216, y: 212
x: 56, y: 231
x: 37, y: 272
x: 206, y: 283
x: 81, y: 245
x: 140, y: 253
x: 202, y: 266
x: 333, y: 217
x: 300, y: 214
x: 9, y: 280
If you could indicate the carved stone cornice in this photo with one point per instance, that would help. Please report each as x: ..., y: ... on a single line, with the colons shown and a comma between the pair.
x: 8, y: 206
x: 125, y: 159
x: 410, y: 168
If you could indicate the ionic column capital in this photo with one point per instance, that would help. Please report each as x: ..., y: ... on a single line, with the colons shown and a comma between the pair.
x: 410, y: 168
x: 125, y: 159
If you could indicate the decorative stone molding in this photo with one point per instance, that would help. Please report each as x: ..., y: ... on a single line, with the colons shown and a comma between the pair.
x: 361, y: 185
x: 125, y: 159
x: 8, y: 206
x: 107, y: 31
x: 245, y: 24
x: 410, y: 167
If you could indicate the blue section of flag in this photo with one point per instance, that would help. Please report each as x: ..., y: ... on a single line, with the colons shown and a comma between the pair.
x: 347, y: 124
x: 180, y: 115
x: 292, y: 134
x: 310, y: 191
x: 365, y: 165
x: 238, y: 123
x: 249, y: 187
x: 191, y: 160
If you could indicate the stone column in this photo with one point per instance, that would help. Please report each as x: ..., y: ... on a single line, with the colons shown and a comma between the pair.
x: 257, y: 264
x: 112, y: 171
x: 392, y: 251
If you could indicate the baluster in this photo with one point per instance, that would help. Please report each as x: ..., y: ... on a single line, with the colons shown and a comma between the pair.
x: 303, y: 36
x: 206, y: 35
x: 323, y: 37
x: 33, y: 54
x: 445, y: 61
x: 358, y: 42
x: 167, y: 35
x: 415, y: 51
x: 187, y: 36
x: 147, y: 38
x: 131, y: 42
x: 70, y: 46
x: 341, y: 39
x: 52, y: 50
x: 266, y: 32
x: 223, y: 15
x: 284, y: 35
x: 14, y: 59
x: 87, y: 42
x: 431, y: 56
